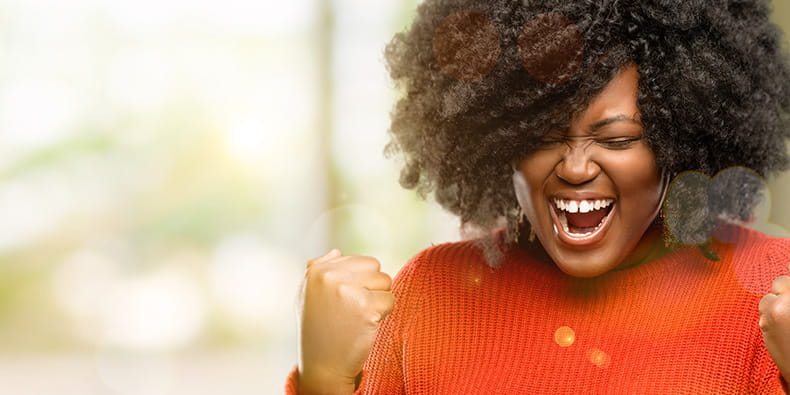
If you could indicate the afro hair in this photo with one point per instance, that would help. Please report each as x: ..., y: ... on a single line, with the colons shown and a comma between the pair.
x: 482, y: 81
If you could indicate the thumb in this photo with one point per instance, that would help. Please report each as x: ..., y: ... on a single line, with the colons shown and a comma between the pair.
x: 332, y: 254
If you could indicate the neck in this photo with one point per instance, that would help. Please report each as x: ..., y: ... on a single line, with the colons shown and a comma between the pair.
x: 649, y: 248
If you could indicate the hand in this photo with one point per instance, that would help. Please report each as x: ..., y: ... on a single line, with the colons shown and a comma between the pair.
x: 775, y: 323
x: 344, y: 298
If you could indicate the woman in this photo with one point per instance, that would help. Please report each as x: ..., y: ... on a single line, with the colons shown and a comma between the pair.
x: 616, y: 144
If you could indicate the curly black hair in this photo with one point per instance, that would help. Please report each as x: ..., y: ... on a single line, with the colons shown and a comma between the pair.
x: 481, y: 83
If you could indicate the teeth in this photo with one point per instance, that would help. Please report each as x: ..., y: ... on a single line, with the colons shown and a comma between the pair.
x: 582, y: 206
x: 574, y: 206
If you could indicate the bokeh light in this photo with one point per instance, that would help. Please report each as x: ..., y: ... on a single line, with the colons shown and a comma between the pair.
x: 564, y: 336
x: 598, y: 358
x: 466, y: 45
x: 557, y: 34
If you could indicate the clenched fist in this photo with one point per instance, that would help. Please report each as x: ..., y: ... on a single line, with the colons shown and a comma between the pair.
x: 775, y: 323
x: 343, y: 300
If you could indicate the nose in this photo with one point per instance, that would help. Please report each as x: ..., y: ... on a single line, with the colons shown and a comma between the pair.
x: 576, y: 167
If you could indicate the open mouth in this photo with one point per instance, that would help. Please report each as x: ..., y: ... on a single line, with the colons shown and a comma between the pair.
x: 581, y: 221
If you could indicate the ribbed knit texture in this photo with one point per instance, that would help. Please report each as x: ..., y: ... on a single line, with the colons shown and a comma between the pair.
x: 680, y: 324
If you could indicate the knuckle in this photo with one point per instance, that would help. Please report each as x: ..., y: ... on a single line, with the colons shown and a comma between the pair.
x: 763, y: 323
x: 779, y: 283
x: 344, y: 290
x: 765, y: 303
x: 374, y: 317
x: 387, y: 280
x: 373, y: 262
x: 379, y: 315
x: 386, y: 303
x: 379, y: 280
x: 779, y: 311
x: 329, y: 277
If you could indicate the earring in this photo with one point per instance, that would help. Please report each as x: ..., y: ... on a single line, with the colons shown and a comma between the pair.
x: 519, y: 224
x: 667, y: 233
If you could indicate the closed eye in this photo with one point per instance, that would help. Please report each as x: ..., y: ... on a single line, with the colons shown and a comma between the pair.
x: 618, y: 143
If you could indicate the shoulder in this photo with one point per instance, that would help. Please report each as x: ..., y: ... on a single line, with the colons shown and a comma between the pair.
x: 753, y: 243
x: 443, y: 257
x: 757, y: 258
x: 437, y: 266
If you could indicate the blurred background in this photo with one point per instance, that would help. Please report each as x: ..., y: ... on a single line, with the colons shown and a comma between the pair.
x: 166, y: 169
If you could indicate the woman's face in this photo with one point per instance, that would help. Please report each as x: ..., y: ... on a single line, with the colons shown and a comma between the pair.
x: 592, y: 191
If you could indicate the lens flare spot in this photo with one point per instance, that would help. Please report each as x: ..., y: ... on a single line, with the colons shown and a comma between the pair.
x: 551, y: 48
x: 466, y: 46
x: 598, y: 358
x: 564, y: 336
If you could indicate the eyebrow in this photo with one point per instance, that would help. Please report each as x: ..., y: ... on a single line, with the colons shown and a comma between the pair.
x: 608, y: 121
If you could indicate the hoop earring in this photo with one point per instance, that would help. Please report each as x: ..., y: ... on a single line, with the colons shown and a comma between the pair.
x: 531, y: 234
x: 519, y: 224
x: 666, y: 178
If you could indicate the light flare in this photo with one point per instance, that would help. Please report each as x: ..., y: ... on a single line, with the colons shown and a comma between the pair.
x: 564, y: 336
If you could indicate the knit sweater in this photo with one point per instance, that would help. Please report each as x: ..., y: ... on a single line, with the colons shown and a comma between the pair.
x: 680, y: 324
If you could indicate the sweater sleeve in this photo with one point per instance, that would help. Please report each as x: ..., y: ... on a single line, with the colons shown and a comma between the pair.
x: 292, y: 382
x: 383, y: 370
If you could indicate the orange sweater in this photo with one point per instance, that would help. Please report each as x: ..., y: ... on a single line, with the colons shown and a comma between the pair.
x: 680, y: 324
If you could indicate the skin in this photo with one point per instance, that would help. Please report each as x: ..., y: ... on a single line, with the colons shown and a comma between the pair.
x: 775, y: 323
x: 343, y: 300
x: 602, y: 154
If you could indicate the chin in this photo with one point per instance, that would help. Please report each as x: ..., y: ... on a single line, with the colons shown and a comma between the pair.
x: 582, y: 272
x: 583, y: 266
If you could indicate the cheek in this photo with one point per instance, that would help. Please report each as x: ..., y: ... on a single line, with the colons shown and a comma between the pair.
x: 639, y: 180
x: 530, y: 183
x: 533, y: 172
